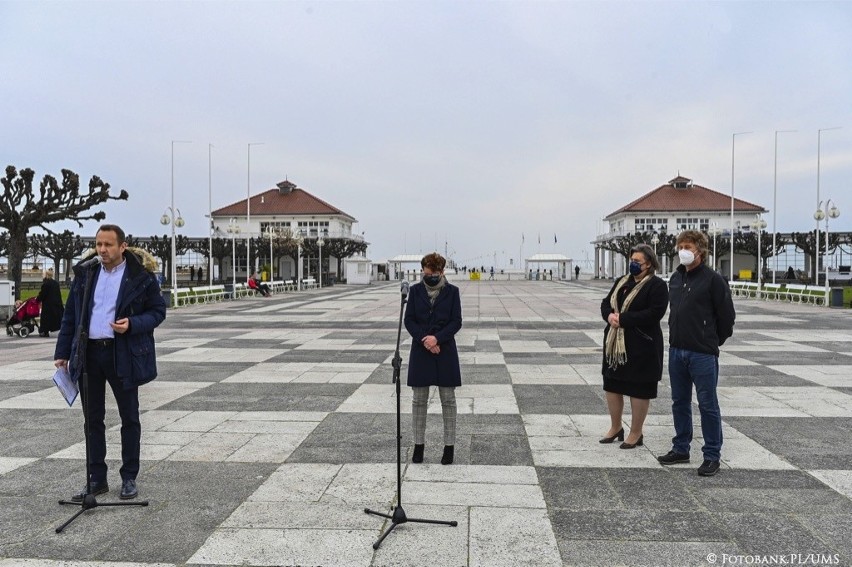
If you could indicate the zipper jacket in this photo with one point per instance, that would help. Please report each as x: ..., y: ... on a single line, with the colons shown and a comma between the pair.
x: 701, y: 317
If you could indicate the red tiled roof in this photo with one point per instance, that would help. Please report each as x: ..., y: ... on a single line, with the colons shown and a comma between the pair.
x: 275, y: 202
x: 694, y: 198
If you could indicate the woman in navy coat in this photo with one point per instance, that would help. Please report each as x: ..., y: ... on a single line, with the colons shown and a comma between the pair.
x: 432, y: 318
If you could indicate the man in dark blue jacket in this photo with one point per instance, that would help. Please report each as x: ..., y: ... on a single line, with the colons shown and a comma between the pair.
x: 113, y: 341
x: 701, y: 319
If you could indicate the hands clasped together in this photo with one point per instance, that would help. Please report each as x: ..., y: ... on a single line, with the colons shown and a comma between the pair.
x: 430, y: 343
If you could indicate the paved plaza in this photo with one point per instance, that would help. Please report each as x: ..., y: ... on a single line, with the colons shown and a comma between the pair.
x: 272, y: 426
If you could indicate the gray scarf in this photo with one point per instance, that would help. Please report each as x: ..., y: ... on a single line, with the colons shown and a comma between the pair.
x: 434, y: 291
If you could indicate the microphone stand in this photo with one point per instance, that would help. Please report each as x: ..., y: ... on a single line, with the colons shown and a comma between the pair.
x: 398, y: 517
x: 89, y: 502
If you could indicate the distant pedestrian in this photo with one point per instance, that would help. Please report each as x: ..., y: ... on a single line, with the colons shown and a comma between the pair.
x: 200, y: 274
x: 192, y: 273
x: 576, y: 272
x: 50, y: 297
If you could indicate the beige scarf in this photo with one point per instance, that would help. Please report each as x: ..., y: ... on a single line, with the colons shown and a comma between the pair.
x: 615, y: 350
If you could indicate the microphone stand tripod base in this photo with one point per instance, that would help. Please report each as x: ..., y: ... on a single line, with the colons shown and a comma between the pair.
x: 398, y: 517
x: 88, y: 503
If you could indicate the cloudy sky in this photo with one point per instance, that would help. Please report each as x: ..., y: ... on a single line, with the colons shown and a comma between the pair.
x: 465, y: 123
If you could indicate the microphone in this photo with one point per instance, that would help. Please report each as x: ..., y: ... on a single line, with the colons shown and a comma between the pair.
x: 90, y: 262
x: 404, y: 288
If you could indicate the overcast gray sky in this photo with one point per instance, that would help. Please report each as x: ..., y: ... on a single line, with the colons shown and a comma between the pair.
x: 470, y: 122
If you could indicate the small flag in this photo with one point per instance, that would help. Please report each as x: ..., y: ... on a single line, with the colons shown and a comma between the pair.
x: 554, y: 238
x: 522, y: 238
x: 539, y: 238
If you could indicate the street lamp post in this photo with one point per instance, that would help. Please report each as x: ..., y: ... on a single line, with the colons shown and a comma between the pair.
x: 733, y: 146
x: 172, y: 216
x: 299, y: 266
x: 248, y: 203
x: 819, y: 203
x: 210, y: 213
x: 775, y: 205
x: 833, y: 213
x: 172, y: 208
x: 234, y: 230
x: 270, y: 230
x: 714, y: 231
x: 759, y: 224
x: 320, y: 243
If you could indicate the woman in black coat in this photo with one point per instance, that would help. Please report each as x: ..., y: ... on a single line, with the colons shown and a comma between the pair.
x: 633, y: 344
x: 432, y: 318
x: 52, y: 310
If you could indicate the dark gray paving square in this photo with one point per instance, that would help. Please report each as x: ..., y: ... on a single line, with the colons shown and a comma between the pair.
x: 353, y: 438
x: 482, y: 345
x: 485, y: 374
x: 568, y: 488
x: 199, y: 371
x: 504, y: 450
x: 565, y: 340
x: 833, y: 529
x: 767, y: 534
x: 264, y: 397
x: 778, y: 358
x: 19, y: 387
x: 637, y: 525
x: 534, y: 358
x: 39, y: 433
x: 559, y: 399
x: 806, y: 442
x: 170, y: 529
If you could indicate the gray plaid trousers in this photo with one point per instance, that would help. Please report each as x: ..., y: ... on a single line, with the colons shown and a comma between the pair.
x: 448, y: 410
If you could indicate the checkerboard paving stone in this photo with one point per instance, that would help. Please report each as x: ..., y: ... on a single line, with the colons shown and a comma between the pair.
x: 287, y: 432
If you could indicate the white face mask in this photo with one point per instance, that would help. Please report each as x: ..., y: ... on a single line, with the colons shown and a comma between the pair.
x: 686, y: 257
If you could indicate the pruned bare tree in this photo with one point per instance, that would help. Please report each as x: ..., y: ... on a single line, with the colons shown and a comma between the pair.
x: 23, y: 208
x: 59, y: 246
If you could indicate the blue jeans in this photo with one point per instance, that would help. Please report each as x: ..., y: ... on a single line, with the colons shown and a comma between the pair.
x: 685, y: 369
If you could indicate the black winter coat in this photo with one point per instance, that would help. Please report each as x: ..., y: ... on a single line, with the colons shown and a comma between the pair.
x: 702, y: 311
x: 643, y: 337
x: 139, y: 299
x: 50, y: 297
x: 443, y: 320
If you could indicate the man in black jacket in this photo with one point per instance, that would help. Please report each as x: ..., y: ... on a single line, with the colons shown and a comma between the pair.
x: 701, y: 319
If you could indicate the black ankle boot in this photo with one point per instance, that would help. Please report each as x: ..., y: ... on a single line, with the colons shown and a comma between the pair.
x: 417, y: 457
x: 447, y: 457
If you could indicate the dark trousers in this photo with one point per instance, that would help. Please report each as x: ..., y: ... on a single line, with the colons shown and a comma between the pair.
x: 100, y: 365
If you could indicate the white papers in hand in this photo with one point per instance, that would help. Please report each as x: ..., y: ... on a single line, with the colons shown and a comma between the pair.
x: 67, y: 387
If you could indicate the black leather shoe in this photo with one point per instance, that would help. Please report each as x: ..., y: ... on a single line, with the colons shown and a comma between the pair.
x: 128, y: 489
x: 417, y: 457
x: 447, y: 457
x: 95, y: 489
x: 639, y: 443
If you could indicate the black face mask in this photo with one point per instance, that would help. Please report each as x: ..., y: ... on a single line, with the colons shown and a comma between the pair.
x: 432, y: 280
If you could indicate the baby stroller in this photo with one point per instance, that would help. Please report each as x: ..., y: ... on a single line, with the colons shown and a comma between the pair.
x: 25, y: 319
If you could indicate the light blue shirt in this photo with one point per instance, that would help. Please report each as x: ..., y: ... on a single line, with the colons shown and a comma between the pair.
x: 104, y: 302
